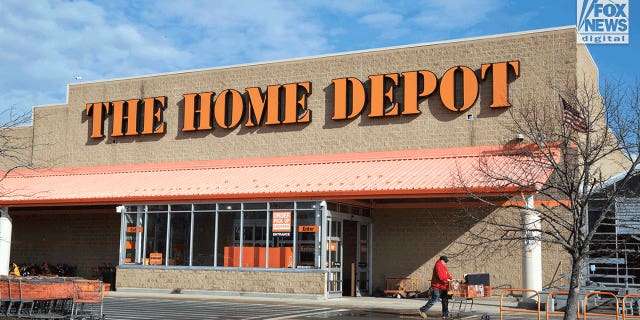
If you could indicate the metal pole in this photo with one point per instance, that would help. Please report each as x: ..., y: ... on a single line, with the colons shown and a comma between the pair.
x: 353, y: 279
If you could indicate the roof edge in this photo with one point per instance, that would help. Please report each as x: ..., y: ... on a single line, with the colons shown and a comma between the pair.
x: 454, y: 152
x: 336, y: 54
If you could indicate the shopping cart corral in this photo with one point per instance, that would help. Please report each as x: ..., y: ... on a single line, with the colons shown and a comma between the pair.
x: 463, y: 293
x: 51, y: 298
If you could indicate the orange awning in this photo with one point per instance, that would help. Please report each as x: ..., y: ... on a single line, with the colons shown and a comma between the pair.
x: 433, y: 173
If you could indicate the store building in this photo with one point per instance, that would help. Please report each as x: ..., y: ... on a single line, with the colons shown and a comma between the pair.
x: 298, y: 176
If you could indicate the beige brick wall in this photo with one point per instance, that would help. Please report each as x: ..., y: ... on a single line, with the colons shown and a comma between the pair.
x: 85, y: 237
x: 313, y: 283
x: 587, y: 77
x: 586, y: 70
x: 408, y: 242
x: 15, y: 151
x: 62, y: 132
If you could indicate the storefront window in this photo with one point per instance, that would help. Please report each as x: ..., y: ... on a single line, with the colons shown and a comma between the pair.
x: 254, y: 250
x: 228, y: 239
x: 281, y: 235
x: 179, y: 238
x: 156, y: 234
x: 157, y: 208
x: 248, y: 235
x: 281, y: 205
x: 203, y: 238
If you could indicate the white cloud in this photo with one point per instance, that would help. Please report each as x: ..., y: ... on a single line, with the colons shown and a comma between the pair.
x: 46, y: 44
x: 381, y: 20
x: 220, y: 33
x: 459, y: 14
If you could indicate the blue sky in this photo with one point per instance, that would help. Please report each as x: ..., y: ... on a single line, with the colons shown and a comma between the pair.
x: 46, y: 45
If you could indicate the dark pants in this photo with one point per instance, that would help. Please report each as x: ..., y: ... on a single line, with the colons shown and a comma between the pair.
x: 438, y: 294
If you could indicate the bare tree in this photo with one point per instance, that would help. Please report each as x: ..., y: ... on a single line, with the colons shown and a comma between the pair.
x: 15, y: 141
x: 581, y: 138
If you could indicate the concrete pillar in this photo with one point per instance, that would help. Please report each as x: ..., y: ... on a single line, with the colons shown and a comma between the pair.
x: 5, y: 241
x: 531, y: 247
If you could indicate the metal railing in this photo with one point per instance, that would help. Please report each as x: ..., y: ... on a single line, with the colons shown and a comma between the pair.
x: 513, y: 310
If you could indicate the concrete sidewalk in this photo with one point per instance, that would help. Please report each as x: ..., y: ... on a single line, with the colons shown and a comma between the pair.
x: 490, y: 305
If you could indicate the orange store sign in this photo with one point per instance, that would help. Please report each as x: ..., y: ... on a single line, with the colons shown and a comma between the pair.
x: 385, y: 95
x: 155, y: 258
x: 307, y: 228
x: 281, y: 221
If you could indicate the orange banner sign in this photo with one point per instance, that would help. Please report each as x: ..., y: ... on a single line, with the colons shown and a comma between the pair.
x: 155, y: 258
x: 134, y: 229
x: 281, y: 221
x: 307, y: 228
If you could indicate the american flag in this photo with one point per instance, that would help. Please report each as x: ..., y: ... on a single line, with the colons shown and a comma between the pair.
x: 573, y: 117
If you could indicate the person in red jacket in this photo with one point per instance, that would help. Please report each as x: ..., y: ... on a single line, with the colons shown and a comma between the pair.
x: 439, y: 283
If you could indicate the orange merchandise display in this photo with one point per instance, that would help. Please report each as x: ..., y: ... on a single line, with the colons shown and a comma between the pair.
x: 255, y: 257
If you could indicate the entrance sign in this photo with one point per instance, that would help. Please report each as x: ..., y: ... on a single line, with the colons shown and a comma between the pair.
x: 134, y: 229
x: 385, y: 95
x: 307, y: 228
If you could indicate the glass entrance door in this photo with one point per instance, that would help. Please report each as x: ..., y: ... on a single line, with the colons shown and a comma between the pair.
x: 346, y: 253
x: 334, y: 257
x: 131, y: 236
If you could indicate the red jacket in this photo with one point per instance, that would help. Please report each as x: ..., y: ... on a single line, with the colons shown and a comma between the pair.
x: 440, y: 277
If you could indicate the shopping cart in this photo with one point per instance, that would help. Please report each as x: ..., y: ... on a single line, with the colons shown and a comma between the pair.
x: 87, y: 299
x: 463, y: 295
x: 50, y: 298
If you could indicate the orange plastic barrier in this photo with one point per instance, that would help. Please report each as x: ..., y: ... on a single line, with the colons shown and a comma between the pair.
x: 503, y: 309
x: 551, y: 294
x: 624, y: 309
x: 255, y: 257
x: 584, y: 305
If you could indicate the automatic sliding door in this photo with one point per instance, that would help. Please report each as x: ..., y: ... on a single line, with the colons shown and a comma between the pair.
x: 334, y: 257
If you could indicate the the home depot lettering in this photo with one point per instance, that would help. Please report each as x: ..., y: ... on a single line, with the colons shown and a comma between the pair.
x: 287, y: 104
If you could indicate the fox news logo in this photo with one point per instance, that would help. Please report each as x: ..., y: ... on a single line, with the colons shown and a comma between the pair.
x: 603, y: 21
